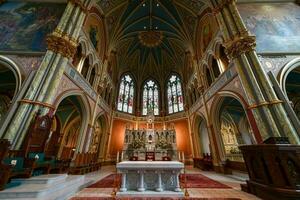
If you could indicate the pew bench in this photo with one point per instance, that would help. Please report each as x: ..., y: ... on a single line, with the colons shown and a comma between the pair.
x: 16, y: 167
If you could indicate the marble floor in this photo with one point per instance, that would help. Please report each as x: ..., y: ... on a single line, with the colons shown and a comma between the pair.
x: 232, y: 181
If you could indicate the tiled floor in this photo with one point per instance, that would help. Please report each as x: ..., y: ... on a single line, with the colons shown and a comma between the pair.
x: 235, y: 192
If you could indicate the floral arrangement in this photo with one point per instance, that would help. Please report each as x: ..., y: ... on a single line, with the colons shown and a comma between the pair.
x: 163, y: 144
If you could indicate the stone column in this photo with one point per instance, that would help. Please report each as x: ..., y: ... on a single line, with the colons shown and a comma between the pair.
x: 62, y: 44
x: 159, y: 182
x: 123, y: 185
x: 141, y: 187
x: 267, y: 109
x: 177, y: 182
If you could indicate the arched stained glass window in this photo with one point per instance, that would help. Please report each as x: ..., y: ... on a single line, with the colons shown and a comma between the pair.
x: 150, y: 98
x: 175, y: 96
x: 126, y: 94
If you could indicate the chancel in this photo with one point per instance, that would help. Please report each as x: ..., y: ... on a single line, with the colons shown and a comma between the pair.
x: 134, y: 99
x: 138, y: 174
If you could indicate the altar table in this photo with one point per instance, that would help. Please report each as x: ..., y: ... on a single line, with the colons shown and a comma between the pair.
x: 150, y: 177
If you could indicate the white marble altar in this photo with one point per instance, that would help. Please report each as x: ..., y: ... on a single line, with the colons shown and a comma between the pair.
x: 150, y: 177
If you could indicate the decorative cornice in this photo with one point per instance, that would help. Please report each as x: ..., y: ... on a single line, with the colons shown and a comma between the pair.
x: 61, y: 44
x: 79, y: 4
x: 240, y: 45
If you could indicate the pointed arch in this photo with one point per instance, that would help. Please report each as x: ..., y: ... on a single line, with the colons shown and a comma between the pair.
x: 126, y: 95
x: 150, y: 97
x: 174, y: 94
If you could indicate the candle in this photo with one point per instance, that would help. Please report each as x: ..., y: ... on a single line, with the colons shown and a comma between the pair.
x: 183, y: 157
x: 179, y: 157
x: 122, y: 156
x: 118, y: 157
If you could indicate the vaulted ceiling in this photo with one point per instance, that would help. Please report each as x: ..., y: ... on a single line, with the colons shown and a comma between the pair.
x: 151, y: 36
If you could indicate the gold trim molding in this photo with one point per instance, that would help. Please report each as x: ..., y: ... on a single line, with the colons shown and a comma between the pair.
x: 265, y: 103
x: 27, y: 101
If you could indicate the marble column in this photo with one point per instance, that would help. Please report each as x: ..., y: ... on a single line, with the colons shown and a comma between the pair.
x: 267, y: 109
x: 159, y: 182
x: 62, y: 45
x: 141, y: 187
x: 177, y: 182
x: 123, y: 185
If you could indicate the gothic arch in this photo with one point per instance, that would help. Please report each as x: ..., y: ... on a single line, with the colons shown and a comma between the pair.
x: 12, y: 66
x: 218, y: 113
x: 86, y: 114
x: 201, y: 136
x: 290, y: 66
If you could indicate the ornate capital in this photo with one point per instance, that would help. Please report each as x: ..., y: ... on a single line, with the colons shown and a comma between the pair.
x: 221, y: 6
x: 240, y: 45
x: 63, y: 45
x: 79, y: 4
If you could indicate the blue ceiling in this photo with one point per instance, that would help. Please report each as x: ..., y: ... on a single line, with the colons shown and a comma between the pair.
x: 154, y: 15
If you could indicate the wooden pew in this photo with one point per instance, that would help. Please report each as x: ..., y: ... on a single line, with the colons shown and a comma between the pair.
x: 13, y: 164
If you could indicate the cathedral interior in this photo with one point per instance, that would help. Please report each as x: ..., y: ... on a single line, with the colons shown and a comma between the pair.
x: 150, y: 99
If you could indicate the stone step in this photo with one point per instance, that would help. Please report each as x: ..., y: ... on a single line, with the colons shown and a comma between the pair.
x: 59, y: 188
x: 43, y: 179
x: 240, y: 176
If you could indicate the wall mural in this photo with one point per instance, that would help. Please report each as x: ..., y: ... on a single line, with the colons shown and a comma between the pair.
x: 273, y: 25
x: 24, y: 26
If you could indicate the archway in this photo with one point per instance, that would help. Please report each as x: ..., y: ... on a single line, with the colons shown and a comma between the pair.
x: 68, y: 127
x: 292, y: 88
x: 98, y: 139
x: 10, y: 81
x: 233, y: 128
x: 204, y: 138
x: 202, y: 141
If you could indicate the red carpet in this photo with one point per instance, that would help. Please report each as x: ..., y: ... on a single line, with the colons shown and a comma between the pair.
x: 193, y: 181
x: 200, y: 181
x: 148, y: 198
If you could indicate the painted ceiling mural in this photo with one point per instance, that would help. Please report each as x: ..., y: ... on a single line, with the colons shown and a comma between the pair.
x: 151, y: 36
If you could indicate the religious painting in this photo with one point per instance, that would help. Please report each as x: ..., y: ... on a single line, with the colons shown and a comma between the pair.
x: 206, y: 35
x: 93, y: 33
x: 24, y: 25
x: 207, y: 27
x: 276, y: 26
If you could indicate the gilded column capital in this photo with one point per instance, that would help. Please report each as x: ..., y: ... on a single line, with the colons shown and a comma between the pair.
x: 240, y: 45
x: 79, y: 4
x: 61, y: 44
x: 221, y: 5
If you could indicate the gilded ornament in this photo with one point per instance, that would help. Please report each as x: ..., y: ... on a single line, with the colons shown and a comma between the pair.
x: 79, y: 4
x: 151, y: 38
x: 240, y: 45
x: 222, y: 5
x: 62, y: 45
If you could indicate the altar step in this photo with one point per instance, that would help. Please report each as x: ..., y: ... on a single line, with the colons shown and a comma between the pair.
x: 239, y: 176
x: 46, y: 187
x: 169, y: 194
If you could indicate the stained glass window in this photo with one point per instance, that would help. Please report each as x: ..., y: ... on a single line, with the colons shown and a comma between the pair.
x: 175, y: 95
x: 150, y: 98
x: 126, y: 94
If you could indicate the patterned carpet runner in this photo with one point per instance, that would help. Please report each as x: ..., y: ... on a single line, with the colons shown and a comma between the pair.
x: 148, y: 198
x: 192, y: 181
